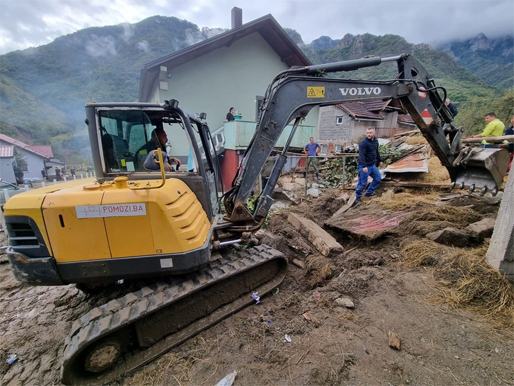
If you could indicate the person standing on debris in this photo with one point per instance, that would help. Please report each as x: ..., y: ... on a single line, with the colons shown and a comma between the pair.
x: 312, y: 149
x: 451, y: 107
x: 509, y: 145
x: 494, y: 128
x: 230, y: 114
x: 369, y: 157
x: 57, y: 173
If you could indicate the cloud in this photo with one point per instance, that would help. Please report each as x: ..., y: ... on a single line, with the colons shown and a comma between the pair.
x: 101, y: 46
x: 128, y: 31
x: 143, y: 46
x: 25, y: 23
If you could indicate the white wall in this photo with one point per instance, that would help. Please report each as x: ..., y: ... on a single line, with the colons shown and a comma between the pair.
x: 34, y: 162
x: 6, y: 170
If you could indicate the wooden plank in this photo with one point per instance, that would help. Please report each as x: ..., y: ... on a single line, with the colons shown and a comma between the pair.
x: 323, y: 241
x: 509, y: 138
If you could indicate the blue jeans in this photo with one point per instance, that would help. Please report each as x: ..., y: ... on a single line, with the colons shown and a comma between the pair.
x: 363, y: 181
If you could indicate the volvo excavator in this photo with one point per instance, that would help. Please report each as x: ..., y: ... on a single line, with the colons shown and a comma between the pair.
x: 169, y: 227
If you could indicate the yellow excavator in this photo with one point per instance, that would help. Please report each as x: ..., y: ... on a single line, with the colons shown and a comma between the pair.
x: 142, y: 218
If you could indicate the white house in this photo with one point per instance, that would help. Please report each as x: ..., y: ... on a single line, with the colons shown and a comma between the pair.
x: 37, y: 158
x: 232, y: 69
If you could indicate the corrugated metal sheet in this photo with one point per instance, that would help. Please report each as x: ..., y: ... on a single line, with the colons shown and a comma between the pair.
x: 416, y: 163
x: 6, y: 151
x: 370, y: 225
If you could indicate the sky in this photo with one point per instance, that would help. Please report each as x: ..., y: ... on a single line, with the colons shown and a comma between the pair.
x: 31, y: 23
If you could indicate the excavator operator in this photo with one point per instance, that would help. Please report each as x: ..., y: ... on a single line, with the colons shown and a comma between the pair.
x: 159, y: 138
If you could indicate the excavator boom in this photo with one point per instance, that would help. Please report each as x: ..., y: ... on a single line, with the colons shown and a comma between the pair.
x: 294, y: 92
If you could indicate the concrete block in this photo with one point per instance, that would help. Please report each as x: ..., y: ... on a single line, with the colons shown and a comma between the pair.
x: 449, y: 236
x: 481, y: 229
x: 500, y: 254
x: 324, y: 242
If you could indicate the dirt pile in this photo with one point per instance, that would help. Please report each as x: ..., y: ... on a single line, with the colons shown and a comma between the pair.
x: 330, y: 322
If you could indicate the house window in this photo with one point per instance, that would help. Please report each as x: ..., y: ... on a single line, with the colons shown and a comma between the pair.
x: 339, y: 120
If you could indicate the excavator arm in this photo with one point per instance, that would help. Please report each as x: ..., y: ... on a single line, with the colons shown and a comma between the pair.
x: 294, y: 92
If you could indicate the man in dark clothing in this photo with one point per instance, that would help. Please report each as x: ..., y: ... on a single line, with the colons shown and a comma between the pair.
x: 18, y: 174
x: 367, y: 165
x: 230, y: 115
x: 451, y: 107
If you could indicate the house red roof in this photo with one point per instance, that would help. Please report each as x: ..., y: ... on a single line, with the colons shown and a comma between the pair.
x: 365, y: 109
x: 371, y: 110
x: 406, y: 118
x: 42, y: 151
x: 45, y: 150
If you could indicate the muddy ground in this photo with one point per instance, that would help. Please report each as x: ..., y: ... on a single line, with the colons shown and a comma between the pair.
x: 439, y: 344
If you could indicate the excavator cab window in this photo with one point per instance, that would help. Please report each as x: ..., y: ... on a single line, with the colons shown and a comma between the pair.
x: 126, y: 140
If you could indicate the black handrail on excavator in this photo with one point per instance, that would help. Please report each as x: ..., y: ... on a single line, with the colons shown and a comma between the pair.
x: 294, y: 92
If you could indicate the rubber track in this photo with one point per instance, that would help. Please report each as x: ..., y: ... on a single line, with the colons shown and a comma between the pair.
x: 119, y: 313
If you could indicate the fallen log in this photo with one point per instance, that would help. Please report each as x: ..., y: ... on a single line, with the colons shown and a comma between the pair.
x: 509, y: 138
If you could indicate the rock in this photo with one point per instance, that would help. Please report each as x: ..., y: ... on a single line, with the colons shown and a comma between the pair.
x: 345, y: 302
x: 481, y: 229
x: 449, y: 236
x: 311, y: 318
x: 314, y: 192
x: 289, y: 185
x: 394, y: 341
x: 277, y: 205
x: 343, y: 197
x: 268, y: 238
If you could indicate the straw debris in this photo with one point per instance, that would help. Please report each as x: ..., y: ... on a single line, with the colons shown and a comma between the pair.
x: 401, y: 201
x: 470, y: 283
x: 416, y: 140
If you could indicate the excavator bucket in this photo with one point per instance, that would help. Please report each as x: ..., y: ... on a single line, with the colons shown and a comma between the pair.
x: 480, y: 168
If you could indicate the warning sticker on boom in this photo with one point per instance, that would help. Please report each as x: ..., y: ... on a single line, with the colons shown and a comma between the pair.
x: 315, y: 92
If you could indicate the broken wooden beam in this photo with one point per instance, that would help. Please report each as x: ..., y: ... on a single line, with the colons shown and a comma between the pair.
x: 323, y: 241
x: 509, y: 138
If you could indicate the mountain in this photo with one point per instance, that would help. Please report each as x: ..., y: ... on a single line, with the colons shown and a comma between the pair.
x: 460, y: 83
x: 491, y: 59
x: 43, y: 90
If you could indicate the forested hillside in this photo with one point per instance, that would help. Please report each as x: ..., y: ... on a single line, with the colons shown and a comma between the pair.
x: 43, y: 90
x: 491, y: 59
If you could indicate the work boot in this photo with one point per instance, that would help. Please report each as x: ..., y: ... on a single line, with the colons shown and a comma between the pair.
x: 304, y: 175
x: 317, y: 177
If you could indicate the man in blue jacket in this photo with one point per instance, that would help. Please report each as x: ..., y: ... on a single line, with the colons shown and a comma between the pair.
x: 312, y: 150
x: 369, y: 157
